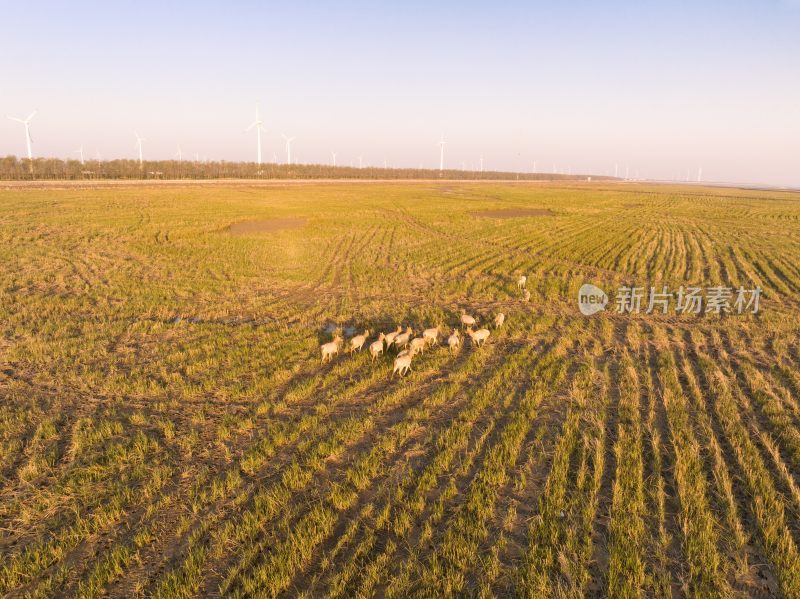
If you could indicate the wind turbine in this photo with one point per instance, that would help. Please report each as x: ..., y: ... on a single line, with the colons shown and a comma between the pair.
x: 700, y: 174
x: 259, y: 125
x: 333, y: 155
x: 288, y: 148
x: 442, y: 142
x: 360, y: 162
x: 139, y: 141
x: 481, y: 162
x: 28, y: 139
x: 179, y: 154
x: 80, y: 151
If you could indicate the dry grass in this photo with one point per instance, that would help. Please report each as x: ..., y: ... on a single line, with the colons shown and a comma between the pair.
x: 167, y: 429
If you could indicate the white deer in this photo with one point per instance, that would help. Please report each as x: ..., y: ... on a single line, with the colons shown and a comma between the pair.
x: 330, y: 349
x: 403, y: 338
x: 431, y: 335
x: 466, y: 319
x: 357, y: 342
x: 418, y: 345
x: 389, y: 337
x: 402, y: 364
x: 479, y: 337
x: 376, y: 347
x: 453, y: 341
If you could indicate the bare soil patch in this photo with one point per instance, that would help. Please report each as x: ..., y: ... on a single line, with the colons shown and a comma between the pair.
x: 249, y: 227
x: 514, y: 212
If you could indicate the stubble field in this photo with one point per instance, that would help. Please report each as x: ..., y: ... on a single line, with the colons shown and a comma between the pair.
x: 167, y: 428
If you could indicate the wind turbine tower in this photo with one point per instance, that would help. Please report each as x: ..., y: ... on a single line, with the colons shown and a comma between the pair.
x: 28, y: 139
x: 442, y: 142
x: 288, y: 148
x: 259, y: 125
x: 80, y: 151
x: 333, y: 155
x: 139, y: 141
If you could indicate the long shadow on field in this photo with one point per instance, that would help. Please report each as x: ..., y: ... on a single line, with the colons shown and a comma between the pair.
x: 335, y: 473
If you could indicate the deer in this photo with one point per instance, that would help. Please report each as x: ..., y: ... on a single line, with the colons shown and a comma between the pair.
x: 389, y: 337
x: 357, y: 342
x: 526, y: 296
x: 403, y: 338
x: 466, y: 319
x: 499, y: 319
x: 418, y: 345
x: 431, y: 335
x: 454, y: 341
x: 521, y: 282
x: 330, y: 349
x: 376, y: 347
x: 479, y: 337
x: 402, y: 364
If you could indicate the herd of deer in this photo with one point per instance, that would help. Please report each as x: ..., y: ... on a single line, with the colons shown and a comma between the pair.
x: 409, y: 346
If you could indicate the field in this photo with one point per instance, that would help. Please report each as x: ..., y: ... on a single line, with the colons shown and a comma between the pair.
x: 167, y: 428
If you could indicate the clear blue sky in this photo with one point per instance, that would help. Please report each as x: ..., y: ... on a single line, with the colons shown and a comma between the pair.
x: 661, y: 87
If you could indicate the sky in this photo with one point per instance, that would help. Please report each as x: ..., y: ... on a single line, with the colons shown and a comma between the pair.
x: 651, y: 89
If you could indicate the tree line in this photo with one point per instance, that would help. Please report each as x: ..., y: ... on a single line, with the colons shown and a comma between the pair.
x: 20, y: 169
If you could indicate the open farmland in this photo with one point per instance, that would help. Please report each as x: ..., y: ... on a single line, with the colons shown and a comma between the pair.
x: 167, y: 428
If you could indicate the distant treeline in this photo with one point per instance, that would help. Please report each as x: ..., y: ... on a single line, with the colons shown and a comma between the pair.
x: 20, y: 169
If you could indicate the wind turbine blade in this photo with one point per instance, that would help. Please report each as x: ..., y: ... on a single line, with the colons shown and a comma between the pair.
x: 13, y: 118
x: 31, y: 115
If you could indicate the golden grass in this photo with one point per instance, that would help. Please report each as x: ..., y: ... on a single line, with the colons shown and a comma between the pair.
x: 167, y: 428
